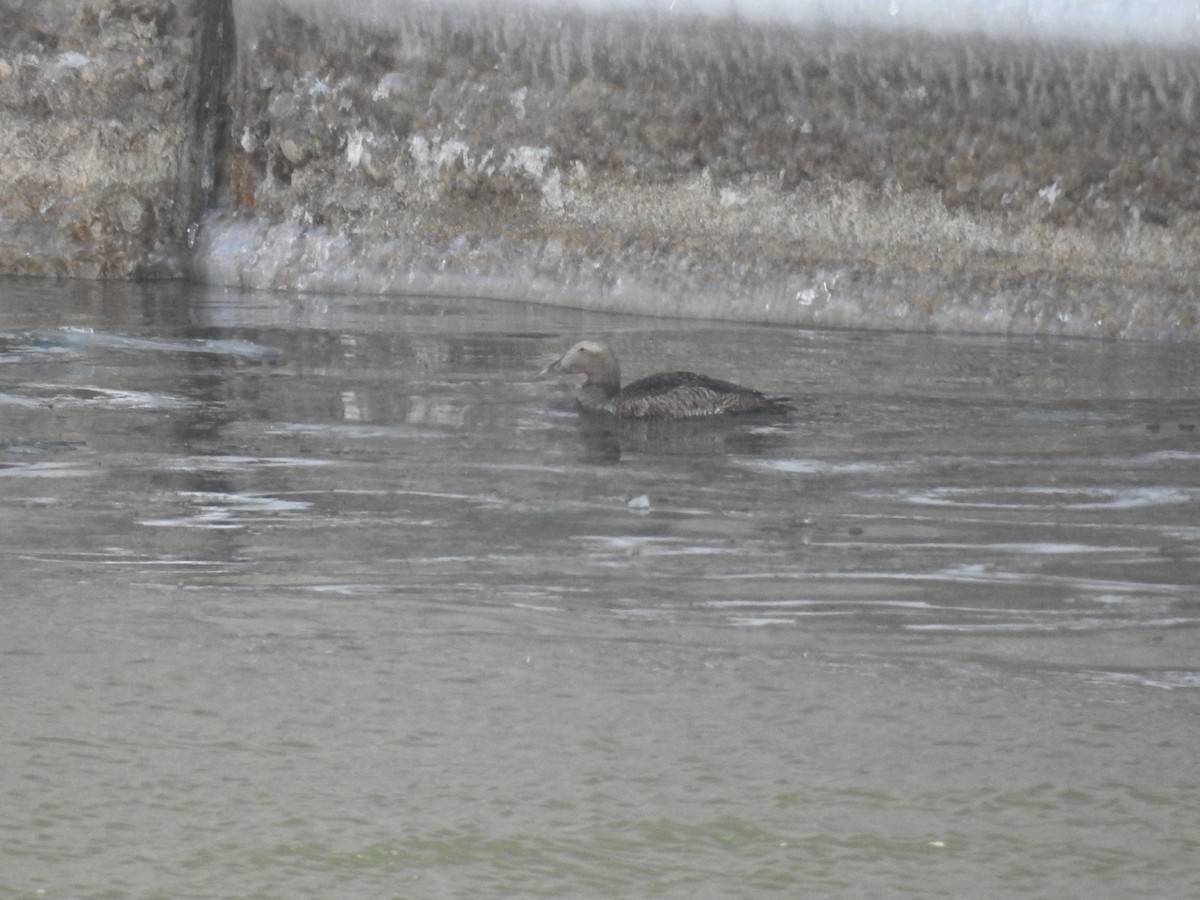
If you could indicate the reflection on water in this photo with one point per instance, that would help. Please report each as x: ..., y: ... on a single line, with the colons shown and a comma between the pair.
x: 330, y: 476
x: 606, y: 439
x: 924, y: 486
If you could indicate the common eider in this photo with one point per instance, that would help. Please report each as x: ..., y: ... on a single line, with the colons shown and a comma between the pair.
x: 667, y: 395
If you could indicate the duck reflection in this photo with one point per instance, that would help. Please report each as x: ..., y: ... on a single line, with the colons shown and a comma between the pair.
x: 605, y: 438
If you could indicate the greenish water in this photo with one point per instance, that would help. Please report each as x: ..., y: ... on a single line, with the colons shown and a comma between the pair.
x: 312, y: 596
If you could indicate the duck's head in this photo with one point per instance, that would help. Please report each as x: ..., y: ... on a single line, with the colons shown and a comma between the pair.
x: 589, y: 358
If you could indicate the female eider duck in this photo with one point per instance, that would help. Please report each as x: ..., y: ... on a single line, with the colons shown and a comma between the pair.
x: 667, y: 395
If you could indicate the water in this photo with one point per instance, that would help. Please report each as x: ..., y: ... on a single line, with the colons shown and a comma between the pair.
x: 308, y: 596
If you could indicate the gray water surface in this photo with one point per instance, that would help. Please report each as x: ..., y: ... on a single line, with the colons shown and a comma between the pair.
x: 308, y: 596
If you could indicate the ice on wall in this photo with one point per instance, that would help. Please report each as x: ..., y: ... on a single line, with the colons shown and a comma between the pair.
x: 1172, y: 21
x: 664, y: 162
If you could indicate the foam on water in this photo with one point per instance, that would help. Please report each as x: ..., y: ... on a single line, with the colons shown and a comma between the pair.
x: 45, y: 469
x: 87, y: 338
x: 229, y: 510
x: 93, y: 396
x: 1054, y: 497
x: 228, y: 463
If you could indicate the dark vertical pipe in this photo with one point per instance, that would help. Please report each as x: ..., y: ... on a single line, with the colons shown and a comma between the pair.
x: 215, y: 61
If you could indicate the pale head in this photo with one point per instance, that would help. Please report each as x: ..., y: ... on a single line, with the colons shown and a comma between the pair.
x: 589, y: 358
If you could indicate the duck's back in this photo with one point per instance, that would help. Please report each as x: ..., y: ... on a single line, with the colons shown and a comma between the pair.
x: 681, y: 395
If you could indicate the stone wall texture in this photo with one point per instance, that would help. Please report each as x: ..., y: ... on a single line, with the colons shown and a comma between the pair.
x: 98, y: 129
x: 620, y: 161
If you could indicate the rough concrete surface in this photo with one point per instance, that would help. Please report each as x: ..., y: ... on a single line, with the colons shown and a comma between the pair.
x: 634, y: 162
x: 94, y: 113
x: 616, y: 160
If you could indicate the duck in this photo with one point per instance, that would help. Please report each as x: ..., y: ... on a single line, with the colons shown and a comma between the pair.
x: 667, y: 395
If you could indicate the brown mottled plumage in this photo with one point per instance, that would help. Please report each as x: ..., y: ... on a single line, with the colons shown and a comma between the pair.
x: 668, y: 395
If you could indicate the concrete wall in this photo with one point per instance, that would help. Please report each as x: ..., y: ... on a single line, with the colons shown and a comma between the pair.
x: 667, y: 164
x: 101, y: 142
x: 617, y: 160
